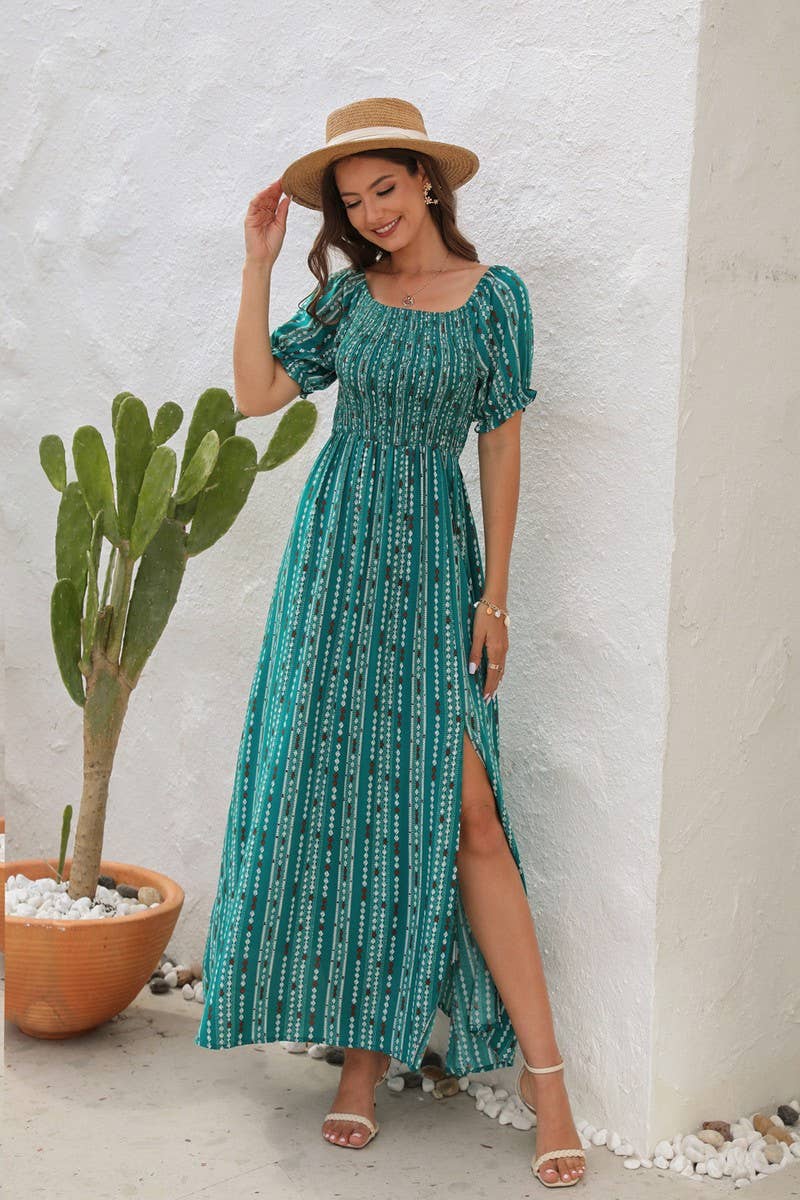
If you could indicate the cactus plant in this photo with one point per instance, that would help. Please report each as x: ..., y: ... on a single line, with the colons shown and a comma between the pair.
x: 151, y: 524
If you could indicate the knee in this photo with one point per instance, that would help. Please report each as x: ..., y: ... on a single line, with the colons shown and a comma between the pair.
x: 481, y: 829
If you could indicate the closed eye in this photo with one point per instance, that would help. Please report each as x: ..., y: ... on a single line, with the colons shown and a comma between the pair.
x: 385, y: 193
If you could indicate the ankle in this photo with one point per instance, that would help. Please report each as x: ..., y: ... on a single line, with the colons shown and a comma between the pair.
x: 369, y: 1061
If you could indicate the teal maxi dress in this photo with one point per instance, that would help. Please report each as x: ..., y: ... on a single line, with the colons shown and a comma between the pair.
x: 338, y: 918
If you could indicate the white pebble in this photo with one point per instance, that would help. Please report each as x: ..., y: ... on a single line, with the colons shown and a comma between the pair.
x: 760, y: 1163
x: 613, y: 1140
x: 492, y: 1108
x: 714, y: 1167
x: 427, y: 1084
x: 700, y: 1168
x: 167, y: 966
x: 588, y: 1131
x: 187, y: 991
x: 631, y: 1163
x: 501, y: 1093
x: 661, y: 1162
x: 522, y: 1120
x: 664, y: 1150
x: 505, y: 1116
x: 396, y: 1083
x: 317, y: 1050
x: 463, y: 1083
x: 776, y: 1120
x: 688, y: 1170
x: 646, y: 1162
x: 199, y: 994
x: 695, y: 1150
x: 600, y: 1137
x: 171, y: 978
x: 624, y: 1149
x: 678, y: 1163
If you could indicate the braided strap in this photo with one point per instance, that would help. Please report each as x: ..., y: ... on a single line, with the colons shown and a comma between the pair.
x: 557, y: 1154
x: 542, y: 1070
x: 359, y: 1117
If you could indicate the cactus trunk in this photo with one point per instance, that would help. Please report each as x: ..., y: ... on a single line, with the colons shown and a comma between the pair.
x: 107, y: 697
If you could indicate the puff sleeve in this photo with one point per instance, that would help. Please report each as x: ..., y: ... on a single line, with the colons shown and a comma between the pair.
x: 304, y: 346
x: 505, y: 349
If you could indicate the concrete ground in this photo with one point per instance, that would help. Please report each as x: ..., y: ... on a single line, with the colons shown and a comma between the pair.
x: 135, y: 1109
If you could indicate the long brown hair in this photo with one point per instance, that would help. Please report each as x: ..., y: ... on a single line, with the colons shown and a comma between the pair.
x: 336, y: 230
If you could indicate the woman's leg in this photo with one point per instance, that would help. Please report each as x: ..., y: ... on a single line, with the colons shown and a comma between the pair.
x: 356, y: 1094
x: 500, y: 918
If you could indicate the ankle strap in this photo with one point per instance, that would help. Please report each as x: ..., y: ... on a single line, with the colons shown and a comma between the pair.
x: 542, y: 1070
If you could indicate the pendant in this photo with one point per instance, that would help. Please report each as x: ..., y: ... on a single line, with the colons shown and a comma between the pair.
x: 408, y: 301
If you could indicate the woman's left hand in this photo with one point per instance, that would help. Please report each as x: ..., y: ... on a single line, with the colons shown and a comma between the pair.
x: 489, y: 631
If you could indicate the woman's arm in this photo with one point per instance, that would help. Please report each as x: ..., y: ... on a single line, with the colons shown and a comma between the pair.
x: 499, y: 462
x: 261, y: 385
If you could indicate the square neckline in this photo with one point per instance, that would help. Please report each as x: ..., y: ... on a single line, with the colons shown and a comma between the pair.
x: 431, y: 312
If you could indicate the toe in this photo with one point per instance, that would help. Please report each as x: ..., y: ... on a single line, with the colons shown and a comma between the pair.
x: 549, y: 1171
x: 358, y: 1135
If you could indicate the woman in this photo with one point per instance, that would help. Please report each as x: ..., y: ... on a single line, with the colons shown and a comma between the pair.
x: 370, y: 873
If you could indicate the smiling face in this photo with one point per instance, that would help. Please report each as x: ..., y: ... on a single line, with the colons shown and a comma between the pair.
x: 383, y: 202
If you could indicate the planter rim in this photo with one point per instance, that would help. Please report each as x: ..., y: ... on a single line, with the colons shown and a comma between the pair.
x: 171, y: 891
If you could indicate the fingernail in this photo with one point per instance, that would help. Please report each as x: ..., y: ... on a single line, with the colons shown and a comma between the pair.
x: 472, y: 668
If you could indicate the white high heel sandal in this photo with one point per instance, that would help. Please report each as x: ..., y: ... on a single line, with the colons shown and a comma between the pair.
x: 357, y: 1117
x: 537, y: 1162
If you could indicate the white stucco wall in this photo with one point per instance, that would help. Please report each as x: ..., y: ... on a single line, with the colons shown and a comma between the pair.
x: 137, y: 142
x: 727, y: 1038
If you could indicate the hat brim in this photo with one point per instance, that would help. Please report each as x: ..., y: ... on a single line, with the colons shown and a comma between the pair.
x: 302, y: 178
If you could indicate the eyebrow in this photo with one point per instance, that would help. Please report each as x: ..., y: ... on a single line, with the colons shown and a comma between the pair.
x: 374, y: 183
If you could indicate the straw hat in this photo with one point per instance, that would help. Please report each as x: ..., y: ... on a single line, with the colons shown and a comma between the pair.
x: 376, y: 123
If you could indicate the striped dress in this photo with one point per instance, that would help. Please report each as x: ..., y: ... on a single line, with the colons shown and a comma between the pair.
x: 338, y: 917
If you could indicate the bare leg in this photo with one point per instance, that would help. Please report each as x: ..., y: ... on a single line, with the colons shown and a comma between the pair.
x: 500, y: 918
x: 356, y: 1094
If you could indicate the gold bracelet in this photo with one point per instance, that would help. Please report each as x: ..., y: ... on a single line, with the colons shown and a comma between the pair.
x: 493, y: 608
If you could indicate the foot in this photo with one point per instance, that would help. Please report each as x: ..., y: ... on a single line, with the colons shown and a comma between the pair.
x: 360, y: 1072
x: 555, y: 1128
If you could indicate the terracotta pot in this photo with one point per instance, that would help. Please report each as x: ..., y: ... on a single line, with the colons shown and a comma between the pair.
x: 66, y: 977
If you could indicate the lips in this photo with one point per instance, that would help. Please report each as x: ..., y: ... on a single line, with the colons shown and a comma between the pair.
x: 389, y: 231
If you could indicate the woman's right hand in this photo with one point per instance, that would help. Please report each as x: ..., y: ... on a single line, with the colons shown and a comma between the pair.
x: 265, y: 224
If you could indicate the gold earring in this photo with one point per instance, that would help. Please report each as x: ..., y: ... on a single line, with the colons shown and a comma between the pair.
x: 428, y: 198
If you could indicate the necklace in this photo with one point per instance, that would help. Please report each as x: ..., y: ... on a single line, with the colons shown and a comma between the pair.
x: 409, y: 300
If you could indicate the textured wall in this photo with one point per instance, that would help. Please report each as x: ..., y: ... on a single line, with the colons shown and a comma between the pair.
x: 727, y: 1037
x: 136, y: 144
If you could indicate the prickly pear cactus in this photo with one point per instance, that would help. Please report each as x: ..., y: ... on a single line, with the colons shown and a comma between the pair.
x: 122, y: 545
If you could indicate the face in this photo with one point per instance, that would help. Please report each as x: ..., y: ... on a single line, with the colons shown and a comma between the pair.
x: 377, y: 193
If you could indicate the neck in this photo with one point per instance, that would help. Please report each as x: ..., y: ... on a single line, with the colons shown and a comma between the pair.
x: 423, y: 254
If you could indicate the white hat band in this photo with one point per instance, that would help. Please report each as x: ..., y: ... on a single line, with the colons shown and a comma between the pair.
x: 374, y: 131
